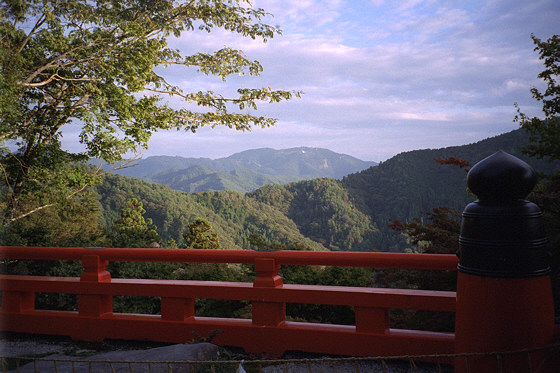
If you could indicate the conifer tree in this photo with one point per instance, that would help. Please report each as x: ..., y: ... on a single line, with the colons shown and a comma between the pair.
x: 201, y: 236
x: 132, y: 230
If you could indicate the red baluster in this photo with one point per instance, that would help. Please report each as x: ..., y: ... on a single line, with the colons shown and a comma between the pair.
x: 266, y: 312
x: 95, y: 272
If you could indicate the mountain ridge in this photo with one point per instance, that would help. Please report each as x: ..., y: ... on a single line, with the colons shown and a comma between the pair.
x: 244, y: 171
x: 410, y: 183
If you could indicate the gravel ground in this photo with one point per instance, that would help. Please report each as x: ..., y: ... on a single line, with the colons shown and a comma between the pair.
x: 17, y: 344
x: 13, y: 345
x: 47, y: 347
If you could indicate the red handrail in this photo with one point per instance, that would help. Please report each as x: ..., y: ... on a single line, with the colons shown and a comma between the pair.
x: 267, y: 332
x: 440, y: 262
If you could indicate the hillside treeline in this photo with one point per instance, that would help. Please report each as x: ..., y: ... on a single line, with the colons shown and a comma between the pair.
x: 319, y: 214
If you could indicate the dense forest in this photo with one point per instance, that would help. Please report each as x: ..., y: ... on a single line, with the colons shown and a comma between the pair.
x: 320, y: 214
x: 233, y: 216
x: 410, y: 183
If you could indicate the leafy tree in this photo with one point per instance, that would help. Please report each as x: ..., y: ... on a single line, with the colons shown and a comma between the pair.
x: 96, y: 65
x: 545, y: 143
x: 75, y: 223
x: 171, y: 244
x: 132, y: 230
x: 201, y: 236
x: 454, y: 161
x: 435, y: 233
x: 545, y: 132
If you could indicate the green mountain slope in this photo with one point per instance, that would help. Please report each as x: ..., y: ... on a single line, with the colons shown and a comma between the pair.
x: 233, y: 216
x: 409, y: 183
x: 323, y: 211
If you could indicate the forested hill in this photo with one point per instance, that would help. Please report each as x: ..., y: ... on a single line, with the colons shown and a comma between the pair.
x: 322, y: 213
x: 232, y: 215
x: 409, y: 183
x: 245, y: 171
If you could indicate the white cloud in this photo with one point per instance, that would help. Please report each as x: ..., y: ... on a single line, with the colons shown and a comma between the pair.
x: 303, y: 13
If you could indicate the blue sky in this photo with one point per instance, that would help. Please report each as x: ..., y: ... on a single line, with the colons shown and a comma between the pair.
x: 380, y: 77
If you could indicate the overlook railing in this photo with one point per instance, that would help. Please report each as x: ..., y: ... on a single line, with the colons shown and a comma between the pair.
x: 267, y: 332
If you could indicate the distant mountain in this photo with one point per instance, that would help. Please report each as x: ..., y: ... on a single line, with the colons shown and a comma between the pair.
x: 201, y: 178
x: 145, y: 168
x: 244, y: 171
x: 303, y: 162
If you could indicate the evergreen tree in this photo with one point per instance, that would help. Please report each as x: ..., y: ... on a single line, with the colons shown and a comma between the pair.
x: 132, y: 230
x: 201, y: 236
x: 171, y: 244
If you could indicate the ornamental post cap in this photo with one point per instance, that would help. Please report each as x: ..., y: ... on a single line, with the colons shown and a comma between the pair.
x: 501, y: 177
x: 502, y: 234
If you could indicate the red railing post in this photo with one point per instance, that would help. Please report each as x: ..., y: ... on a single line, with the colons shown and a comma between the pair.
x: 94, y: 271
x: 94, y: 306
x: 372, y: 320
x: 18, y: 301
x: 176, y: 309
x: 268, y: 313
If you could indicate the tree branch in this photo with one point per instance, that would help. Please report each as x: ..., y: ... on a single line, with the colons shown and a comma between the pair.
x: 39, y: 23
x: 55, y: 76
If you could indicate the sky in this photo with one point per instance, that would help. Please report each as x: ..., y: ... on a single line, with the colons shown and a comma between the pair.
x: 379, y: 77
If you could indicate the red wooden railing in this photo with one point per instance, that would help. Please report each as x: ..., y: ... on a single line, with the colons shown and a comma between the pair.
x: 267, y: 332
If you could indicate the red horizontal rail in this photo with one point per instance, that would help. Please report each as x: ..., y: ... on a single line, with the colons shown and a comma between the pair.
x: 282, y: 257
x: 267, y: 332
x: 308, y: 294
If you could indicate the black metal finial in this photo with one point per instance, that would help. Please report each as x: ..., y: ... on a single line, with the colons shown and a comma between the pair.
x: 502, y: 234
x: 501, y: 177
